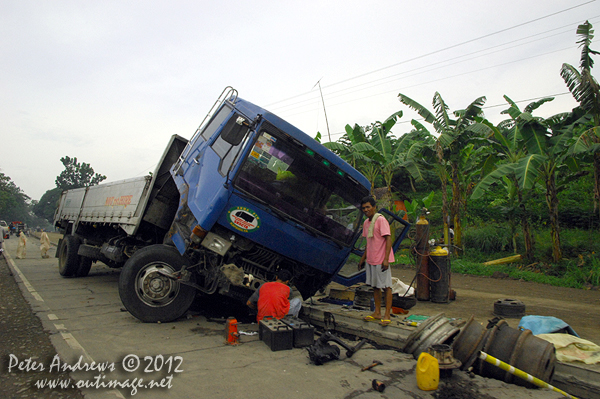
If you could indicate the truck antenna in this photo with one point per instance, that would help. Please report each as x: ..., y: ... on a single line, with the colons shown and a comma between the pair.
x: 324, y: 111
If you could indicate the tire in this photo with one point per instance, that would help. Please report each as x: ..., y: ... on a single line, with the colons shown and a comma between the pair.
x: 85, y: 264
x: 509, y: 308
x: 150, y: 296
x: 68, y: 260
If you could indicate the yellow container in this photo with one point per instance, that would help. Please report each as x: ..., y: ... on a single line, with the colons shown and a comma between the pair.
x: 428, y: 372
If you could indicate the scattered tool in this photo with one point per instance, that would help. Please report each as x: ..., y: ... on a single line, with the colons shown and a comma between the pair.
x: 369, y: 367
x: 321, y: 351
x: 231, y: 331
x: 378, y: 386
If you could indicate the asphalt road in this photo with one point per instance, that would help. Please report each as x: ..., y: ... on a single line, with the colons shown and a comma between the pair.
x: 84, y: 320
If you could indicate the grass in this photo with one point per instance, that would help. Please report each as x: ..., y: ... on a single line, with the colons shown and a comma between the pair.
x: 579, y: 268
x: 517, y: 272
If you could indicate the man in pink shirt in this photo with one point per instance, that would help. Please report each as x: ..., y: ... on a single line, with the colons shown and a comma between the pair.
x: 378, y: 255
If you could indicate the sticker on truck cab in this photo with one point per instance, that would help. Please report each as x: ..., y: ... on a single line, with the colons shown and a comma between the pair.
x: 243, y: 219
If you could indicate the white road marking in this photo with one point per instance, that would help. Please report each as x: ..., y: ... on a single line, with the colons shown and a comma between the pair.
x: 29, y: 287
x: 68, y: 337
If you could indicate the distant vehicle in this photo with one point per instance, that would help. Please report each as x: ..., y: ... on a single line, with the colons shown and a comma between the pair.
x: 5, y: 229
x: 16, y: 227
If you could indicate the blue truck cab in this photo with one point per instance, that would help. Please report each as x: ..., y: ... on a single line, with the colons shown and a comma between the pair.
x: 256, y: 195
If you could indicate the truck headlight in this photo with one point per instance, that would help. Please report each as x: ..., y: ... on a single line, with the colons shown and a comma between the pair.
x: 216, y: 243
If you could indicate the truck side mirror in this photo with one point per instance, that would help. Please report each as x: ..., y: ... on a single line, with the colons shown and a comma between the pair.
x: 235, y: 130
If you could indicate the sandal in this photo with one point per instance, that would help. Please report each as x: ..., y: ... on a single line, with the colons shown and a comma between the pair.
x: 385, y: 322
x: 371, y: 318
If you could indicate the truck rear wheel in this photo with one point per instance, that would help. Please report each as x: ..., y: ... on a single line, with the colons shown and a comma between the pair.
x: 83, y: 269
x: 146, y: 293
x: 68, y: 260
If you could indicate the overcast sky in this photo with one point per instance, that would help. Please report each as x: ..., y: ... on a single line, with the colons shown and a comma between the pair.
x: 109, y: 82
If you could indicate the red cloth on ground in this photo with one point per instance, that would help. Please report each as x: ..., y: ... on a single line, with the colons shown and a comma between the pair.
x: 273, y: 300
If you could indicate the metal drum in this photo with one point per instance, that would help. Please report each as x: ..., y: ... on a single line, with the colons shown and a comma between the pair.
x: 500, y: 344
x: 469, y: 342
x: 439, y: 275
x: 534, y: 356
x: 435, y: 330
x: 520, y: 349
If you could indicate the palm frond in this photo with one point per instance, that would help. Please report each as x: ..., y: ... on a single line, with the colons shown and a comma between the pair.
x: 474, y: 109
x: 511, y: 102
x: 391, y: 121
x: 441, y: 111
x: 587, y: 34
x: 507, y: 124
x: 419, y: 126
x: 492, y: 178
x: 572, y: 78
x: 528, y: 170
x: 556, y: 120
x: 421, y: 110
x: 536, y: 104
x: 535, y: 137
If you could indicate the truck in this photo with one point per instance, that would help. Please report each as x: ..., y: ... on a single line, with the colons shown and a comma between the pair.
x: 17, y: 227
x: 249, y: 194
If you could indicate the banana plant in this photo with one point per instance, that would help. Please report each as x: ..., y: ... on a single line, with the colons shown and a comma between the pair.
x: 547, y: 145
x: 455, y: 132
x: 379, y: 153
x: 414, y: 207
x: 586, y: 91
x: 509, y: 161
x: 354, y: 148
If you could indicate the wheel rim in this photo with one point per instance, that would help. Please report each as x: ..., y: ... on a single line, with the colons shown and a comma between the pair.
x: 153, y: 288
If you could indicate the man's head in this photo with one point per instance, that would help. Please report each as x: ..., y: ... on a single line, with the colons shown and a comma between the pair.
x: 284, y: 275
x: 367, y: 205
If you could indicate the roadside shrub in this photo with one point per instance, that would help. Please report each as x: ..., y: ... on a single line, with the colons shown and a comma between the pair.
x: 488, y: 239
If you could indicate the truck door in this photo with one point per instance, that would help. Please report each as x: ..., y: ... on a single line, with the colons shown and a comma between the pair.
x: 349, y: 273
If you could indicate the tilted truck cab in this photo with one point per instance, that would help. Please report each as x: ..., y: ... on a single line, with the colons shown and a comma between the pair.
x: 254, y: 195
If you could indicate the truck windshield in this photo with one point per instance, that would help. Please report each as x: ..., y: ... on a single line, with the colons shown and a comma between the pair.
x: 297, y: 182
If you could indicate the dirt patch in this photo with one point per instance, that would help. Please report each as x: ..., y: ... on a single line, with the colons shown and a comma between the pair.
x: 24, y: 337
x: 476, y: 295
x: 457, y: 389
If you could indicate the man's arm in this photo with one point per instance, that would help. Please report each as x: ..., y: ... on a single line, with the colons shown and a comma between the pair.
x: 361, y: 262
x: 388, y: 247
x: 253, y: 300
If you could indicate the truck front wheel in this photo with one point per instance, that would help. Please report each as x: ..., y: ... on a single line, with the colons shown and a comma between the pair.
x: 148, y: 294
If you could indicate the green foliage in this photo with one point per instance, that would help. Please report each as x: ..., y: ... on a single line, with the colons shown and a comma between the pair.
x: 47, y: 205
x: 489, y: 238
x: 414, y: 207
x: 13, y: 201
x: 77, y: 175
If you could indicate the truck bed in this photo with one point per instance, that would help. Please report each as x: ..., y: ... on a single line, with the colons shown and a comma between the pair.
x: 119, y: 202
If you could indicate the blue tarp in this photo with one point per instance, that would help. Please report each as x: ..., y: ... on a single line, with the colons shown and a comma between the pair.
x: 545, y: 325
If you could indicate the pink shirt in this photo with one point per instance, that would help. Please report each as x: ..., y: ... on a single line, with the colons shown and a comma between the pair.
x: 376, y: 244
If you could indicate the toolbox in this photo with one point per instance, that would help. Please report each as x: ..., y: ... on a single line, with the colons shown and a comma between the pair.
x: 276, y: 334
x: 304, y: 333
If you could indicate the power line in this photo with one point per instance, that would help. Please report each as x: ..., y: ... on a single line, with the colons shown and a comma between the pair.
x: 345, y: 91
x: 419, y: 70
x: 439, y: 79
x: 443, y: 49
